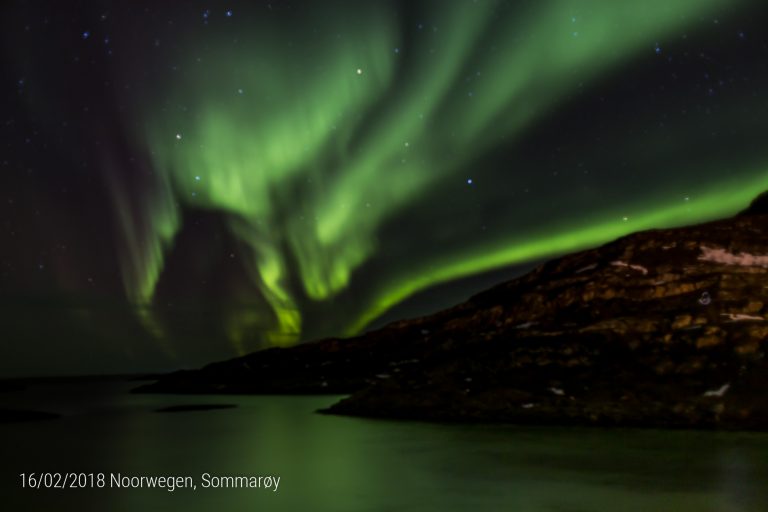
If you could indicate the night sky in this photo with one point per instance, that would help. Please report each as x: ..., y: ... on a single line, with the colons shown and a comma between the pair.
x: 185, y: 182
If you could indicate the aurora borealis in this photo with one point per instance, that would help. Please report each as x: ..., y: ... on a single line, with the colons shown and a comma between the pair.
x: 227, y: 176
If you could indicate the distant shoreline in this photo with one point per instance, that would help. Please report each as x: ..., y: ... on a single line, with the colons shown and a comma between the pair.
x: 79, y: 378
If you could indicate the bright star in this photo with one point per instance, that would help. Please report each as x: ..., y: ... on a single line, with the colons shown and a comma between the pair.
x: 178, y: 136
x: 197, y: 178
x: 359, y: 71
x: 469, y: 181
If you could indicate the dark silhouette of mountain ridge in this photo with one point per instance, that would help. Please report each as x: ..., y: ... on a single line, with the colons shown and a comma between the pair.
x: 661, y: 328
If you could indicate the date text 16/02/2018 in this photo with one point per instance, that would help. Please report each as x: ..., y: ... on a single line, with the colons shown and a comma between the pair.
x: 120, y: 481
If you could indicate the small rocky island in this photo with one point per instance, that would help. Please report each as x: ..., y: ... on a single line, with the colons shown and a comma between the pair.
x: 662, y: 328
x: 195, y: 407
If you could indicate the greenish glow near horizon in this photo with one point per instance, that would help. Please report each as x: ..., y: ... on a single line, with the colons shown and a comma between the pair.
x: 726, y: 200
x: 313, y: 145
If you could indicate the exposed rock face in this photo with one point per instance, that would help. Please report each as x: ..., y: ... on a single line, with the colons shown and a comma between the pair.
x: 659, y: 328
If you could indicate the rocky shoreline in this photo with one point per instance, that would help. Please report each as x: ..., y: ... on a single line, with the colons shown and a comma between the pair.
x: 663, y: 328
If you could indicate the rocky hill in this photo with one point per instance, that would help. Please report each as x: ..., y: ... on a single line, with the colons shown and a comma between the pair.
x: 661, y: 328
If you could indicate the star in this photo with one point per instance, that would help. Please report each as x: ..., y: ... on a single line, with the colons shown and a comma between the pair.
x: 229, y: 13
x: 178, y: 136
x: 86, y: 34
x: 359, y: 71
x: 469, y: 181
x: 197, y: 178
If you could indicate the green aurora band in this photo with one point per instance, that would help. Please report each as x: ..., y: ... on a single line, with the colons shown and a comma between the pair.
x: 311, y: 144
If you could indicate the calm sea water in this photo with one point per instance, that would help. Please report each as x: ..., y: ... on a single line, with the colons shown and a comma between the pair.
x: 328, y: 463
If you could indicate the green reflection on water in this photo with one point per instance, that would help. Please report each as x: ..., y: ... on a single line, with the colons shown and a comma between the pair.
x: 336, y: 463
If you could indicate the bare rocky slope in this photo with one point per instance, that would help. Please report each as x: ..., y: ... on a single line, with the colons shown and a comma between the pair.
x: 663, y: 328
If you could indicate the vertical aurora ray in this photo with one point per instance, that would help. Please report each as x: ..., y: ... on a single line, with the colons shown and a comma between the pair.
x: 311, y: 144
x: 147, y: 232
x: 262, y: 126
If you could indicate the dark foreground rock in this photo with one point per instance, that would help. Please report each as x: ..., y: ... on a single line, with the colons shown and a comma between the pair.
x: 14, y: 415
x: 663, y: 328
